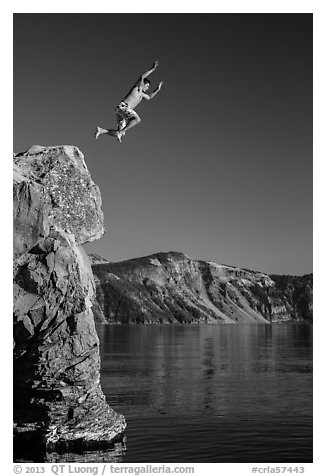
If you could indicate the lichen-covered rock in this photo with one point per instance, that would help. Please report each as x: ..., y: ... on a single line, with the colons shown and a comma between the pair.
x: 58, y: 399
x: 54, y: 190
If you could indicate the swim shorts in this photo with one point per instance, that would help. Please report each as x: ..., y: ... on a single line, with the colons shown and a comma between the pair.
x: 125, y: 112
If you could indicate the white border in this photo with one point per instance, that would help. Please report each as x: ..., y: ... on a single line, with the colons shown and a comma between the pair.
x: 145, y: 6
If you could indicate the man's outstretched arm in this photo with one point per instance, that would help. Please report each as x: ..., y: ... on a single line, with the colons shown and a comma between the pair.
x: 150, y: 71
x: 151, y: 95
x: 140, y: 81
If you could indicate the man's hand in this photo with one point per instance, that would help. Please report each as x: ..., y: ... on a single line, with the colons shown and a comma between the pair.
x: 144, y: 75
x: 160, y: 85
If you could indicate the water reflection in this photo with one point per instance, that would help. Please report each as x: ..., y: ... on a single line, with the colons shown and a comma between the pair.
x: 112, y: 454
x: 179, y: 383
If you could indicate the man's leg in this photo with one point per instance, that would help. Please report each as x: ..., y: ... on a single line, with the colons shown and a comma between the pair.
x: 121, y: 122
x: 99, y: 131
x: 134, y: 120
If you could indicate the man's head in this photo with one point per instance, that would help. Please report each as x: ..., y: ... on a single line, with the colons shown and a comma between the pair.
x: 146, y: 84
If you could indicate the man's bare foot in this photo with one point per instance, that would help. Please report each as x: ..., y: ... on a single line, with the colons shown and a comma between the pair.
x: 98, y: 132
x: 119, y: 135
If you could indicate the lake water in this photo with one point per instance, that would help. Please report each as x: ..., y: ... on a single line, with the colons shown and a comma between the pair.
x: 209, y: 393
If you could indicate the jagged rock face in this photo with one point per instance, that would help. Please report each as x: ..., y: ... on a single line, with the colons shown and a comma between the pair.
x: 173, y: 288
x: 57, y: 394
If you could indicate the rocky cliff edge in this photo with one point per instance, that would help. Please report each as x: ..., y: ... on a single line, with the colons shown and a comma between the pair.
x: 58, y: 400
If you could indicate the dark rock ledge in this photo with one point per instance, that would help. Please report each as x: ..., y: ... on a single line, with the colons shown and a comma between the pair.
x: 58, y: 400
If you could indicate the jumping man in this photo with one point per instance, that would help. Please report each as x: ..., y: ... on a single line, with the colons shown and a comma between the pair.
x: 126, y: 116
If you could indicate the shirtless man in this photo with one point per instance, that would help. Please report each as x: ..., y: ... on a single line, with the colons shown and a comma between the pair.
x: 126, y: 116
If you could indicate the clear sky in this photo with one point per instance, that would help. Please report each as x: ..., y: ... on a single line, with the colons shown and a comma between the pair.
x: 220, y: 167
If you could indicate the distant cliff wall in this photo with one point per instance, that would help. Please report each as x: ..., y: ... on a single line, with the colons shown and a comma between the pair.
x: 58, y: 400
x: 298, y: 293
x: 174, y: 288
